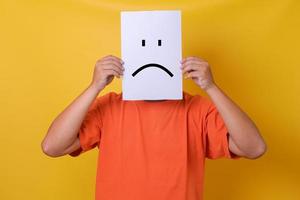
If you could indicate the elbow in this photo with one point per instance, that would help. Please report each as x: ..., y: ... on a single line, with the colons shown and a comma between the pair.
x: 48, y: 150
x: 259, y: 151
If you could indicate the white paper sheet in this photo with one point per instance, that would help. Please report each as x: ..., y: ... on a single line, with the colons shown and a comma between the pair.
x: 151, y: 51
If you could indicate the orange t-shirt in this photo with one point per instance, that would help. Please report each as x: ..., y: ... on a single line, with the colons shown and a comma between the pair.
x: 152, y: 150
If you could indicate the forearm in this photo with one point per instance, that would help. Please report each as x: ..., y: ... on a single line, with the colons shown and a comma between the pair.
x: 64, y: 129
x: 245, y: 138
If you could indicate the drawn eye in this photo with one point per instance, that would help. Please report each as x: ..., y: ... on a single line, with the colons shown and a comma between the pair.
x: 143, y: 43
x: 159, y: 42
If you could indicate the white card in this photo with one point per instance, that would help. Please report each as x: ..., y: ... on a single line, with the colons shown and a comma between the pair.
x: 151, y: 51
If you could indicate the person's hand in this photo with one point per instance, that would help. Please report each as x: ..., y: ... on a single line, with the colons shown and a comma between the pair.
x: 105, y: 70
x: 199, y: 70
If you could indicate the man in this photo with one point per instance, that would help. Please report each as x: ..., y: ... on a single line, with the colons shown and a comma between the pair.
x: 153, y: 150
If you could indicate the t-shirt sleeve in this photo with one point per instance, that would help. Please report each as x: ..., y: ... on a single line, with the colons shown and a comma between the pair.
x: 217, y: 137
x: 90, y: 130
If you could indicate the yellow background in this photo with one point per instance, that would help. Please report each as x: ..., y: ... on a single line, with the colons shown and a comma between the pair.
x: 48, y: 50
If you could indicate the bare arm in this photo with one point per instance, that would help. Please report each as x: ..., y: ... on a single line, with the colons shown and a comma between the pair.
x: 244, y: 137
x: 61, y: 138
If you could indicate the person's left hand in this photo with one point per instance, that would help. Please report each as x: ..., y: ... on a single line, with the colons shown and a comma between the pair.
x: 199, y: 70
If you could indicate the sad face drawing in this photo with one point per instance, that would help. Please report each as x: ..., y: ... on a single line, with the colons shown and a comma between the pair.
x: 152, y: 64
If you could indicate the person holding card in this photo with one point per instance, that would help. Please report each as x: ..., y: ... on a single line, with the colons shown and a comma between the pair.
x: 153, y: 149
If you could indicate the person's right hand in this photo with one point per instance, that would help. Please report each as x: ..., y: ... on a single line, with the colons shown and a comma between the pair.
x: 105, y: 70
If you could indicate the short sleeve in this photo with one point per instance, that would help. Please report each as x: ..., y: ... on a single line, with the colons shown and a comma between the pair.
x: 217, y: 145
x: 90, y: 129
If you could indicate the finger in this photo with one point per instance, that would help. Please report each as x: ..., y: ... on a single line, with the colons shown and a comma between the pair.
x: 189, y: 62
x: 109, y: 72
x: 113, y: 67
x: 108, y: 62
x: 193, y: 74
x: 192, y: 60
x: 111, y: 57
x: 191, y: 67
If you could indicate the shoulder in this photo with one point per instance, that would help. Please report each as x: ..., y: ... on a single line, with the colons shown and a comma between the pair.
x: 108, y: 99
x: 198, y: 102
x: 110, y: 96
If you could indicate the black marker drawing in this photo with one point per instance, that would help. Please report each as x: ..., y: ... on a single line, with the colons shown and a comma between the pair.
x: 152, y: 65
x: 159, y: 42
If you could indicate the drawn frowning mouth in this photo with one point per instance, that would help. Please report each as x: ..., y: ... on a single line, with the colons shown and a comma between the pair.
x: 152, y: 65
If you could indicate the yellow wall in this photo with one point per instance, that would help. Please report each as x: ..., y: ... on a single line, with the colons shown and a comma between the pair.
x: 48, y: 50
